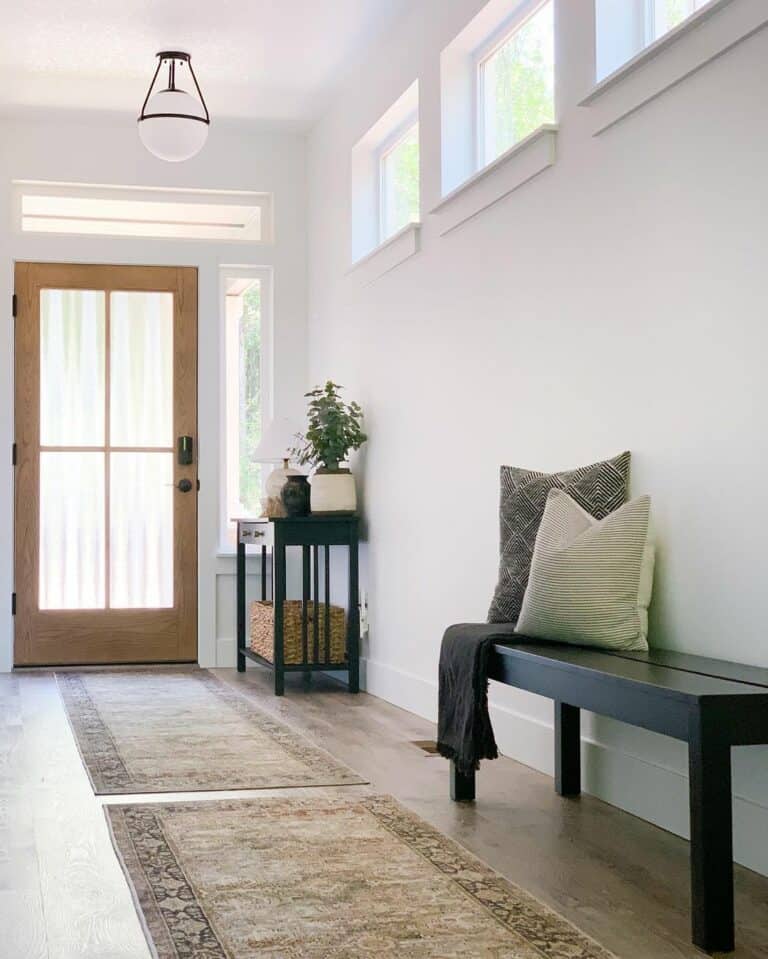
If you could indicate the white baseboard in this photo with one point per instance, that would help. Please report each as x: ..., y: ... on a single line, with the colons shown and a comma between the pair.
x: 652, y: 791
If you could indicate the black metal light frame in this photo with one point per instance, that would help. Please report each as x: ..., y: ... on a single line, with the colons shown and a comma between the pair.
x: 170, y: 57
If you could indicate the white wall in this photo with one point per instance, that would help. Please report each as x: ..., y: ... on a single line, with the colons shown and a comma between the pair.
x: 617, y: 301
x: 96, y: 149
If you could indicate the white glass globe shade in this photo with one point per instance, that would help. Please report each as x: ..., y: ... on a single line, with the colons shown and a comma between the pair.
x: 173, y: 138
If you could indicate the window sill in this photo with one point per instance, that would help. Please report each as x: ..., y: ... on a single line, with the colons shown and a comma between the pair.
x: 387, y: 255
x: 688, y: 48
x: 507, y: 173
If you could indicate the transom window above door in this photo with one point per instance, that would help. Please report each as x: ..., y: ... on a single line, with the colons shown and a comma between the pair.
x: 164, y: 212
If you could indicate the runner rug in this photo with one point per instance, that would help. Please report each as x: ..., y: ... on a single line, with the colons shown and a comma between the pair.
x: 343, y: 877
x: 142, y: 731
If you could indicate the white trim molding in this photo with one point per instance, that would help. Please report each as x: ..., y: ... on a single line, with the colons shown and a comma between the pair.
x: 521, y: 163
x: 387, y: 255
x: 701, y: 39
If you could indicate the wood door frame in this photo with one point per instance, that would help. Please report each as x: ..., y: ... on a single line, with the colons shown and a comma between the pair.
x: 131, y: 628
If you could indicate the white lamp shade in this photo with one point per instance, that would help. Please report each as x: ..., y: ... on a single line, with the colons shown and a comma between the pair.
x: 173, y: 138
x: 278, y: 437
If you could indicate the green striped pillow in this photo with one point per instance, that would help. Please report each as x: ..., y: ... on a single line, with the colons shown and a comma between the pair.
x: 590, y: 582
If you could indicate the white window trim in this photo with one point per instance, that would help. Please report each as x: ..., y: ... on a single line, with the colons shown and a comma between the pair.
x: 653, y: 50
x: 392, y: 142
x: 265, y: 275
x: 482, y: 54
x: 701, y: 39
x: 517, y: 166
x: 366, y: 221
x: 387, y: 255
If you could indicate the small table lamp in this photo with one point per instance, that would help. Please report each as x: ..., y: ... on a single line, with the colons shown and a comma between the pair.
x: 276, y: 441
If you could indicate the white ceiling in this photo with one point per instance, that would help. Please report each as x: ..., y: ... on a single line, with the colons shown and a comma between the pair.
x: 265, y: 60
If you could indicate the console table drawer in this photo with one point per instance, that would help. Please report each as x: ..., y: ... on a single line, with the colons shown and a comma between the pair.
x: 256, y: 533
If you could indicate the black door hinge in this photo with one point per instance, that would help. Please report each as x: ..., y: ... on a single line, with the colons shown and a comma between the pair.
x: 13, y: 455
x: 13, y: 604
x: 14, y: 304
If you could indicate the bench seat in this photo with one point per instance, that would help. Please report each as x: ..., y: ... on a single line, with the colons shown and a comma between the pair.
x: 708, y: 703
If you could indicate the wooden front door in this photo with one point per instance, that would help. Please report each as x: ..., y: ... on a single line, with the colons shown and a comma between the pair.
x: 106, y: 486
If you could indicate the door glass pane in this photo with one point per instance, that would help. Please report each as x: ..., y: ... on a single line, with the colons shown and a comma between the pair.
x: 72, y: 367
x: 141, y: 369
x: 141, y: 530
x: 71, y: 530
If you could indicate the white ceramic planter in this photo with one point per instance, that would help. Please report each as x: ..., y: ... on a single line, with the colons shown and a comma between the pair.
x: 333, y: 492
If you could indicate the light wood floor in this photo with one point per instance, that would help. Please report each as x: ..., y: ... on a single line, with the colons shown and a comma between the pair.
x: 62, y: 893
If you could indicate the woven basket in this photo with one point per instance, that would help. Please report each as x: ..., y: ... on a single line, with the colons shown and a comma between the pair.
x: 263, y: 631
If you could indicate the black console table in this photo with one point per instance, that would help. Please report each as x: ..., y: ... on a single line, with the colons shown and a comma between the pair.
x: 310, y: 533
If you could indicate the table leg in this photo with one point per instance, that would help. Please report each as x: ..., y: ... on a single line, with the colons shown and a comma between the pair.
x: 278, y: 572
x: 709, y: 762
x: 462, y: 787
x: 353, y: 621
x: 567, y: 749
x: 305, y: 597
x: 241, y: 640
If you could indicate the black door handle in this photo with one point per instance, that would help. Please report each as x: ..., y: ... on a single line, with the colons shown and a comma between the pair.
x: 184, y: 485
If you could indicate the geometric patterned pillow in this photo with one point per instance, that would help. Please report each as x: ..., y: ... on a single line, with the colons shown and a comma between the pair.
x: 599, y: 489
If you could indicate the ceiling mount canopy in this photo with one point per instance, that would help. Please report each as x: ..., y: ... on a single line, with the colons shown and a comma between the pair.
x: 173, y: 124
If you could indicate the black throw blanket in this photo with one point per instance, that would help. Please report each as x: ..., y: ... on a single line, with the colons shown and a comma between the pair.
x: 464, y: 731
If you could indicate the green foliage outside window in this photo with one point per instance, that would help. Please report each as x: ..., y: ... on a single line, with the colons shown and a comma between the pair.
x: 250, y: 399
x: 401, y: 183
x: 518, y: 84
x: 675, y: 11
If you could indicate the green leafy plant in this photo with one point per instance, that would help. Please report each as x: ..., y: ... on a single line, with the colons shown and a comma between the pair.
x: 334, y: 429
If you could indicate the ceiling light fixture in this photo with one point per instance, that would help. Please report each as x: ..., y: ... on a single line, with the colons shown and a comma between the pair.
x: 173, y: 125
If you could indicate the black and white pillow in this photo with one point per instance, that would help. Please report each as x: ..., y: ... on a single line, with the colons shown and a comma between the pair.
x: 599, y: 489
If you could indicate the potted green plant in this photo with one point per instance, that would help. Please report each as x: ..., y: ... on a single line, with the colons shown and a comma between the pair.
x: 334, y: 430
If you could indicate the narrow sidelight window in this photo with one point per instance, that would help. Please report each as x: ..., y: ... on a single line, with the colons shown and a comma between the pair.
x: 246, y: 308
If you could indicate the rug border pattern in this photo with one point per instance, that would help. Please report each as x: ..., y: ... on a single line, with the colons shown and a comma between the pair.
x: 533, y: 922
x: 109, y: 774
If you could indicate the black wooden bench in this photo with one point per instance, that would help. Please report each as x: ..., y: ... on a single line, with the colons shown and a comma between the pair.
x: 710, y: 704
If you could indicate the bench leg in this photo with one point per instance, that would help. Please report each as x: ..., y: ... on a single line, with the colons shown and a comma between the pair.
x: 709, y: 761
x: 462, y: 787
x: 567, y: 749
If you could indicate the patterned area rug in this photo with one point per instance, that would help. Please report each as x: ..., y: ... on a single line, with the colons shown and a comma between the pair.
x: 150, y: 731
x: 323, y: 878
